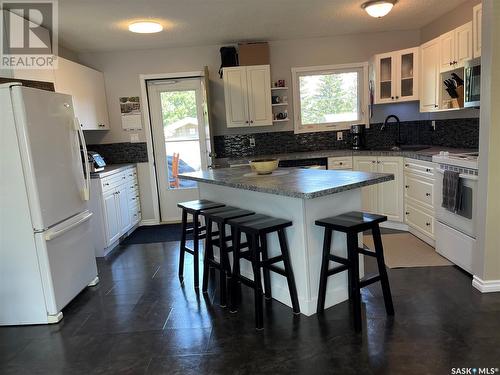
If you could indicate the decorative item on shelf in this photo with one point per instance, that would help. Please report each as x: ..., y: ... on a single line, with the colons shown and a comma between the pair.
x: 284, y: 99
x: 282, y: 115
x: 280, y: 83
x: 275, y: 99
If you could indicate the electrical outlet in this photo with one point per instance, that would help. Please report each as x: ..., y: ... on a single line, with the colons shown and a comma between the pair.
x: 134, y: 138
x: 433, y: 125
x: 340, y: 136
x: 252, y: 142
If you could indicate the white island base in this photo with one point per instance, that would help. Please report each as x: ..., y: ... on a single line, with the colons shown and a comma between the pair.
x: 305, y: 239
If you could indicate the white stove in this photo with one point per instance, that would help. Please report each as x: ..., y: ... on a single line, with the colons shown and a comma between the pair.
x: 455, y: 231
x: 467, y: 160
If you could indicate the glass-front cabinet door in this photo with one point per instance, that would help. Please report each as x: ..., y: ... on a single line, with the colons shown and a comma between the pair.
x: 385, y: 88
x: 407, y: 75
x: 396, y: 77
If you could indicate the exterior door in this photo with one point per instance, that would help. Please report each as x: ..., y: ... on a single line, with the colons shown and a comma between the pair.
x: 369, y: 194
x: 180, y: 138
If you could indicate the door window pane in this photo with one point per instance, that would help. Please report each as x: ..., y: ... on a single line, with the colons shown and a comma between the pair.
x: 180, y: 128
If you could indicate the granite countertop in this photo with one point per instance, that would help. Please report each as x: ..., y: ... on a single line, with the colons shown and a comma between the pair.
x: 424, y: 154
x: 291, y: 182
x: 111, y: 169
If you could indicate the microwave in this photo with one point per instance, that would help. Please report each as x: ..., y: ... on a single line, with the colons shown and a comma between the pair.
x: 472, y: 89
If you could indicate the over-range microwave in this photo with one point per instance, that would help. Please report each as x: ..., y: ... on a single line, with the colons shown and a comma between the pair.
x: 472, y: 89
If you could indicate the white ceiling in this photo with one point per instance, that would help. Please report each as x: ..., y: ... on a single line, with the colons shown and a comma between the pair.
x: 101, y: 25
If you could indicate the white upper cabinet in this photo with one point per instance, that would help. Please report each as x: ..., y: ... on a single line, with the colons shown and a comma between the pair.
x: 247, y: 93
x: 477, y: 13
x: 429, y: 75
x: 396, y: 76
x: 456, y: 47
x: 86, y: 85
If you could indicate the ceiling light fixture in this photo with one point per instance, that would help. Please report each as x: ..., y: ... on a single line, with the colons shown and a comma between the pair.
x: 145, y: 27
x: 378, y: 8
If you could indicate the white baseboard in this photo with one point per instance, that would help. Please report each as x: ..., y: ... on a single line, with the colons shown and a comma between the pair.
x: 486, y: 286
x: 148, y: 222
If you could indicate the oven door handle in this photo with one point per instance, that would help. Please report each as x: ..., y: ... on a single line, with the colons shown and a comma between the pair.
x: 462, y: 175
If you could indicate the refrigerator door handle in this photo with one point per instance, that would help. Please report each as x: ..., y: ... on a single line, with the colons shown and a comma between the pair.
x: 51, y: 233
x: 86, y: 187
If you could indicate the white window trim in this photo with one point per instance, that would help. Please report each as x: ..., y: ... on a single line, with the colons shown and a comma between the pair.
x: 364, y: 97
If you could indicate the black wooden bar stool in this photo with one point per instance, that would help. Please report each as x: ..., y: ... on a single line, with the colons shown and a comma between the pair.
x: 198, y: 231
x: 220, y: 216
x: 256, y: 229
x: 352, y: 223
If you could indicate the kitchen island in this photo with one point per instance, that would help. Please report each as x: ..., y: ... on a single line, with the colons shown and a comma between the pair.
x: 302, y: 196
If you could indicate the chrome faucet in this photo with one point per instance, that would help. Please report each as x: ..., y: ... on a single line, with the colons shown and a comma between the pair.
x: 398, y: 140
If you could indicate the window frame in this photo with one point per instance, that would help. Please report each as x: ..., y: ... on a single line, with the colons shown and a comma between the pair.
x: 361, y: 68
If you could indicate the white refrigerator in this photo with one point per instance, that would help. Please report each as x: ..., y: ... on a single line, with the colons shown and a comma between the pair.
x: 46, y: 249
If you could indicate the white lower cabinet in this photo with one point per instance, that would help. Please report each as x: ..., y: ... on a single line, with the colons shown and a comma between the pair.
x: 112, y: 223
x: 115, y: 203
x: 386, y: 198
x: 419, y: 194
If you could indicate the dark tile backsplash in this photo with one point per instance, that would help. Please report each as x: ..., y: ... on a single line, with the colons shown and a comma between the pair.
x: 120, y: 153
x: 459, y: 133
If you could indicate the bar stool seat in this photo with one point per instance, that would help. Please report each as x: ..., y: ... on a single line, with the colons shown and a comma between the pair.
x: 256, y: 229
x: 219, y: 216
x: 198, y: 231
x: 353, y: 223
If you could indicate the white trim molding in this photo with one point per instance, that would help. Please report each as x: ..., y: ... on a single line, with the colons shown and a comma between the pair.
x: 486, y: 286
x: 148, y: 222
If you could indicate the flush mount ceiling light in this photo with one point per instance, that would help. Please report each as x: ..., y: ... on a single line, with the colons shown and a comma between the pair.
x: 378, y: 8
x: 145, y: 27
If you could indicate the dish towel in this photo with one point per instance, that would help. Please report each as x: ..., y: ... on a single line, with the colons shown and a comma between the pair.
x: 451, y: 190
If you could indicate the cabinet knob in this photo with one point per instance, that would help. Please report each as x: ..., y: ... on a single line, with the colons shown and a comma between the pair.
x: 427, y: 194
x: 407, y: 165
x: 373, y: 161
x: 428, y: 224
x: 427, y: 170
x: 407, y: 186
x: 392, y: 97
x: 397, y: 97
x: 123, y: 178
x: 246, y: 122
x: 451, y: 63
x: 340, y: 163
x: 407, y: 213
x: 251, y: 121
x: 435, y: 105
x: 106, y: 184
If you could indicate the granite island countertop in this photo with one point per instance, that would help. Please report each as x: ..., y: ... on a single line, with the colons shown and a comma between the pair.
x: 423, y: 154
x: 291, y: 182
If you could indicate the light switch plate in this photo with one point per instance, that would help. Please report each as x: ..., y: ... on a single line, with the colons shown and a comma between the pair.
x: 134, y: 138
x: 340, y: 136
x: 252, y: 142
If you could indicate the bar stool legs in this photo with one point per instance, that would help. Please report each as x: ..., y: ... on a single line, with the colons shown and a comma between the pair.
x: 258, y: 294
x: 289, y: 271
x: 266, y: 272
x: 183, y: 246
x: 384, y: 280
x: 234, y: 282
x: 352, y: 250
x: 323, y: 276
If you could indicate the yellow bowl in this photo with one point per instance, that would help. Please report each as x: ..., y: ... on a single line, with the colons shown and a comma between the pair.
x: 264, y: 166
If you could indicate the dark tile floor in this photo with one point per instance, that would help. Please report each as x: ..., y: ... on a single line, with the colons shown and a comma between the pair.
x: 140, y: 320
